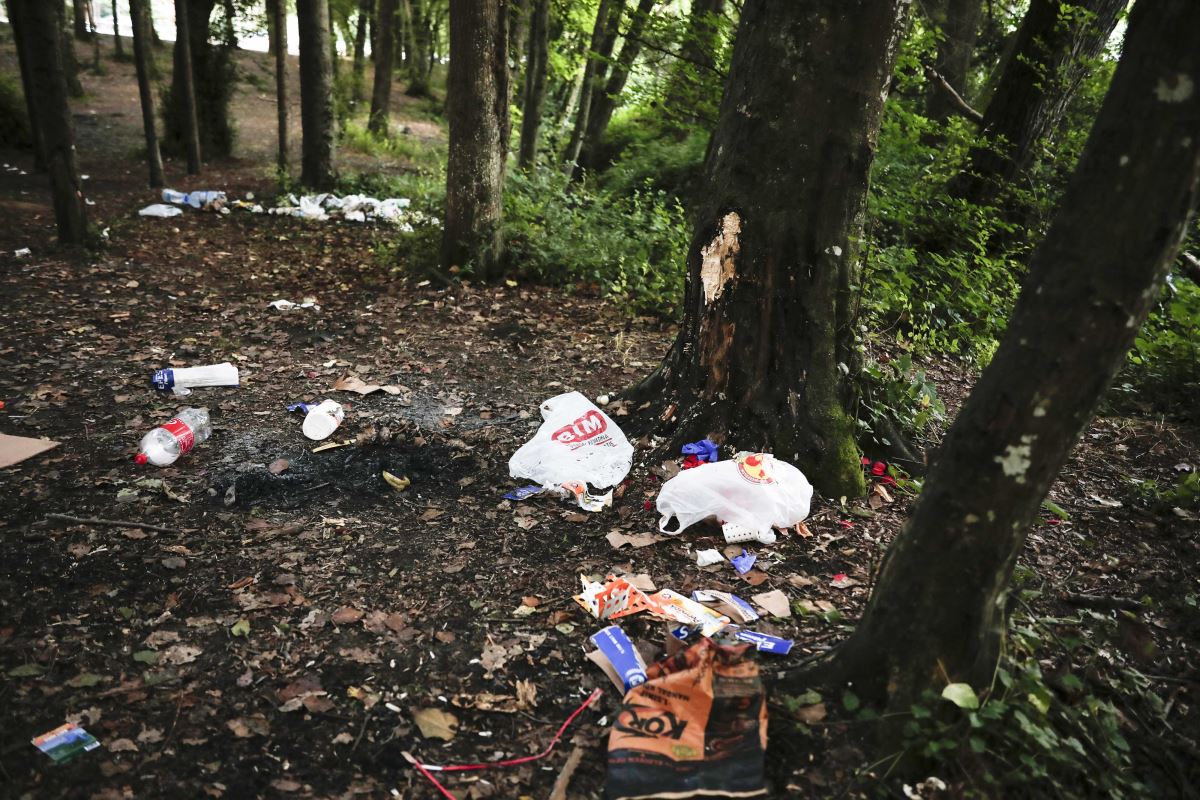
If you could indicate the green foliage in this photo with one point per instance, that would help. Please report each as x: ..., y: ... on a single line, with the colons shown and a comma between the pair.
x: 1053, y: 724
x: 632, y: 247
x: 426, y: 157
x: 898, y: 391
x: 14, y: 121
x: 644, y: 154
x: 1166, y: 352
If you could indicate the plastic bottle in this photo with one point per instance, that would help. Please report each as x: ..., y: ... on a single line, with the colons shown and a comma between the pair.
x: 162, y: 446
x: 173, y: 196
x: 224, y: 374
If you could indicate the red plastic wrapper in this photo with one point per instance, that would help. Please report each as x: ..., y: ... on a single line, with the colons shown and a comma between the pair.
x: 696, y: 728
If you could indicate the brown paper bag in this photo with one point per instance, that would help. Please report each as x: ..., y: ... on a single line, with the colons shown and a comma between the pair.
x: 696, y: 727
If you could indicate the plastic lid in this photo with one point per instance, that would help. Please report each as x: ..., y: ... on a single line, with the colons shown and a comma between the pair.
x: 141, y: 458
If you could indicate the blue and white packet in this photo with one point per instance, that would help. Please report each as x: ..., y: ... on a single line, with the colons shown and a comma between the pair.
x: 743, y: 563
x: 524, y: 492
x: 764, y: 643
x: 619, y: 659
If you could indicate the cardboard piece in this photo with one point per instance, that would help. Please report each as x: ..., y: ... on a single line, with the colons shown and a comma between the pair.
x: 15, y: 449
x: 65, y: 742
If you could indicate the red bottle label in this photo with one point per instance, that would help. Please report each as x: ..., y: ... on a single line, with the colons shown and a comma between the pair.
x: 182, y: 433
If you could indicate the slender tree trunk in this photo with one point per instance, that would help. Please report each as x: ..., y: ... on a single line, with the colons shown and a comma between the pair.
x: 518, y: 35
x: 405, y: 36
x: 938, y: 608
x: 1050, y: 59
x: 418, y: 78
x: 608, y: 15
x: 270, y: 15
x: 119, y: 47
x: 767, y: 346
x: 535, y: 83
x: 16, y: 21
x: 604, y: 103
x: 381, y: 94
x: 230, y: 34
x: 958, y: 26
x: 697, y: 56
x: 187, y: 86
x: 277, y: 10
x: 79, y: 19
x: 477, y: 108
x: 95, y: 34
x: 316, y: 95
x: 40, y: 38
x: 141, y: 52
x: 69, y: 60
x: 365, y: 9
x: 154, y: 37
x: 334, y: 60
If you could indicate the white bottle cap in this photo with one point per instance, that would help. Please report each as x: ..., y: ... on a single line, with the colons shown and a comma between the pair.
x: 323, y: 420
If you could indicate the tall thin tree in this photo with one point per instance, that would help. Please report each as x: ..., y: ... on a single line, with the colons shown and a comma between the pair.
x: 381, y: 92
x: 604, y: 102
x: 40, y: 39
x: 957, y: 24
x: 187, y: 86
x: 318, y: 125
x: 604, y: 34
x: 118, y: 46
x: 138, y: 13
x: 361, y: 25
x: 277, y: 10
x: 534, y: 99
x: 35, y: 132
x: 477, y: 107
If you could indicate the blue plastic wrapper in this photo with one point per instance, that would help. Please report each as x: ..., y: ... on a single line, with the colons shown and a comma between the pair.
x: 303, y: 408
x: 764, y: 643
x: 704, y: 450
x: 626, y: 662
x: 524, y: 492
x: 163, y: 379
x: 743, y: 563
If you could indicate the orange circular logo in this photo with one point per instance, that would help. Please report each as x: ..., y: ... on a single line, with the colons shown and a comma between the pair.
x: 753, y: 467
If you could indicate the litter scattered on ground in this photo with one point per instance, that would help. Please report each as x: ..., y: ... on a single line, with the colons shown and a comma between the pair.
x: 65, y: 742
x: 524, y: 493
x: 726, y: 603
x: 174, y: 438
x: 743, y: 562
x: 288, y: 305
x: 206, y: 199
x: 350, y: 383
x: 706, y: 558
x: 577, y: 491
x: 755, y: 491
x: 577, y: 442
x: 774, y: 602
x: 15, y: 449
x: 21, y: 252
x: 660, y: 744
x: 183, y: 380
x: 619, y: 659
x: 699, y: 453
x: 323, y: 419
x: 161, y: 210
x: 396, y: 482
x: 685, y: 610
x: 615, y: 598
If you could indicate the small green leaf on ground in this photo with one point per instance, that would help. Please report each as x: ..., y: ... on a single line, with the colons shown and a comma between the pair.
x: 240, y: 628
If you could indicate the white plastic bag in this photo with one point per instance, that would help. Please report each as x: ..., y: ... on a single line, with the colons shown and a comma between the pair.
x: 160, y: 210
x: 755, y: 490
x: 576, y: 442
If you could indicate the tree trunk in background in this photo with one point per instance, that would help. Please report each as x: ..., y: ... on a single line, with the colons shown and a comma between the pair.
x: 141, y: 58
x: 277, y: 10
x: 418, y: 76
x: 381, y: 94
x: 334, y: 60
x: 477, y: 109
x: 365, y: 9
x: 119, y: 47
x: 316, y: 95
x: 79, y: 19
x: 697, y: 55
x: 186, y: 85
x: 767, y: 343
x: 958, y: 24
x: 95, y: 35
x: 604, y: 103
x: 608, y: 17
x: 154, y: 37
x: 40, y: 39
x: 518, y: 35
x: 67, y: 45
x: 230, y: 33
x: 1050, y: 59
x: 937, y: 613
x: 534, y: 98
x: 16, y: 21
x: 405, y: 35
x: 270, y: 15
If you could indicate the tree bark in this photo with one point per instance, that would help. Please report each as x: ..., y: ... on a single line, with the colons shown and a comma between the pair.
x: 1050, y: 58
x: 277, y: 10
x: 186, y: 85
x: 608, y: 17
x: 518, y: 35
x: 938, y: 610
x: 697, y: 55
x: 27, y: 87
x: 766, y: 348
x: 316, y: 95
x: 958, y: 26
x: 419, y: 66
x: 535, y: 83
x: 117, y: 45
x: 477, y: 108
x: 141, y: 55
x: 70, y: 61
x: 365, y: 9
x: 40, y: 40
x: 604, y: 103
x: 79, y: 19
x: 381, y: 94
x: 230, y: 34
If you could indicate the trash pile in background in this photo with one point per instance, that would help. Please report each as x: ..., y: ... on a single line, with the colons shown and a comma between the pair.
x: 318, y: 207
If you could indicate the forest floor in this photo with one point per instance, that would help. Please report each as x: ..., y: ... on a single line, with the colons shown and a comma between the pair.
x: 283, y: 634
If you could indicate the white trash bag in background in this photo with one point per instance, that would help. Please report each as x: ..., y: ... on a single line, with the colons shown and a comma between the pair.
x: 576, y: 442
x: 750, y: 495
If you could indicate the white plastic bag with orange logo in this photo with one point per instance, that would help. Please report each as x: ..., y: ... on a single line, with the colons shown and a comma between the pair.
x: 576, y: 442
x: 754, y: 492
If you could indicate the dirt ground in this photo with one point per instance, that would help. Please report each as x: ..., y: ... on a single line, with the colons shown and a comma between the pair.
x: 281, y: 634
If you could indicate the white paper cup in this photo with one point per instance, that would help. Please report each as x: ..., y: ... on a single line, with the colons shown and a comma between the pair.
x: 323, y: 420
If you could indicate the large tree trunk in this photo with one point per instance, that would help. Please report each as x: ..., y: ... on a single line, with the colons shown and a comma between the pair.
x: 604, y: 35
x: 67, y: 45
x: 27, y: 86
x: 604, y: 103
x: 365, y: 9
x: 534, y: 99
x: 381, y: 94
x: 1049, y: 60
x: 213, y: 80
x: 419, y: 66
x: 230, y: 35
x: 316, y: 95
x: 697, y: 56
x: 79, y: 17
x: 185, y: 85
x: 119, y: 47
x: 141, y: 58
x: 40, y: 40
x: 477, y: 108
x: 277, y: 11
x: 766, y: 349
x: 938, y: 610
x: 957, y: 22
